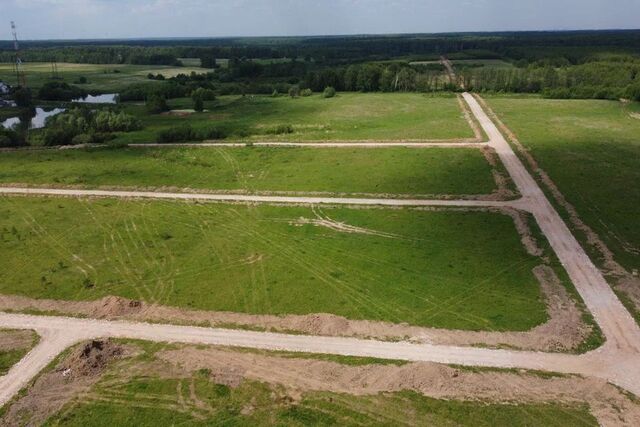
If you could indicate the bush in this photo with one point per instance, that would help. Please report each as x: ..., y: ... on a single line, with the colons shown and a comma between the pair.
x: 176, y: 134
x: 198, y: 104
x: 108, y: 121
x: 212, y: 133
x: 22, y: 97
x: 329, y: 92
x: 10, y: 138
x: 306, y: 92
x: 156, y: 104
x: 83, y: 138
x: 280, y: 130
x: 204, y: 94
x: 58, y: 136
x: 294, y: 91
x: 60, y: 91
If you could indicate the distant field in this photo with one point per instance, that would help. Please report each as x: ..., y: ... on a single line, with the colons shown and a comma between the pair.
x: 348, y: 116
x: 591, y: 149
x: 106, y: 78
x: 404, y: 171
x: 449, y: 269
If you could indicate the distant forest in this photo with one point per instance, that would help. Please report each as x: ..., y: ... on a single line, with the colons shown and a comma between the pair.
x: 578, y: 64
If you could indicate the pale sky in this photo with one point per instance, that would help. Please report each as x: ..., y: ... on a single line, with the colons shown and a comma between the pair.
x: 67, y: 19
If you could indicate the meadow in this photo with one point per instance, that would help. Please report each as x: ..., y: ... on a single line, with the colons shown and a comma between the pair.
x: 101, y: 77
x: 400, y: 171
x: 591, y: 150
x: 448, y: 269
x: 348, y: 116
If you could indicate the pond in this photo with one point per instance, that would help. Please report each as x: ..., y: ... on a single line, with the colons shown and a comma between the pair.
x: 105, y: 98
x: 37, y: 121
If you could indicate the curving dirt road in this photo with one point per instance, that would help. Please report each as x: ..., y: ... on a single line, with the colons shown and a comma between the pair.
x: 618, y: 361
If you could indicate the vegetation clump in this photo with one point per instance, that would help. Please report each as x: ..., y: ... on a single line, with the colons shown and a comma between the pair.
x: 83, y: 126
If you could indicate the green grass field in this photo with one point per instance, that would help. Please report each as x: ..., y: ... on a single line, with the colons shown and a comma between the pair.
x: 194, y: 399
x: 403, y: 171
x: 103, y: 78
x: 153, y: 401
x: 591, y: 150
x: 348, y: 116
x: 449, y: 269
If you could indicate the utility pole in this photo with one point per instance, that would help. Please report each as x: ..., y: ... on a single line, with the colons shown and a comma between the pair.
x: 20, y: 75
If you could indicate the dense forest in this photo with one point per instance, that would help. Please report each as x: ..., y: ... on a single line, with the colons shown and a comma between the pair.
x: 579, y: 64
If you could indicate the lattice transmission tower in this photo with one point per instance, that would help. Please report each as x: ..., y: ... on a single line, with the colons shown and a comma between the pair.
x: 20, y: 74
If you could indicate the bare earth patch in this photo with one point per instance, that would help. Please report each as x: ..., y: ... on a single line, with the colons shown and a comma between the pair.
x: 16, y: 340
x: 74, y: 375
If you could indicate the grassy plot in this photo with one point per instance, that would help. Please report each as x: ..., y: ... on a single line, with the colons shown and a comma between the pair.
x: 124, y: 397
x: 450, y: 269
x: 153, y: 401
x: 101, y: 77
x: 348, y: 116
x: 591, y: 150
x: 385, y: 170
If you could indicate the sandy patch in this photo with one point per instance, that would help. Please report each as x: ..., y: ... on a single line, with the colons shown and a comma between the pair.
x: 323, y: 220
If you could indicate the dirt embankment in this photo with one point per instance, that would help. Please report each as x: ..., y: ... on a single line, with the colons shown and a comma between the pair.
x: 564, y: 331
x: 608, y: 404
x: 625, y: 281
x: 74, y: 375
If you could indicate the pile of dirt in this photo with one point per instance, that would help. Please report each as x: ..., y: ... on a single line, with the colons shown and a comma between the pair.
x: 90, y: 359
x: 72, y: 376
x: 112, y: 307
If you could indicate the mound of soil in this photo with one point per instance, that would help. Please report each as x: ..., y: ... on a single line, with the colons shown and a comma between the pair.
x: 90, y: 359
x: 111, y: 307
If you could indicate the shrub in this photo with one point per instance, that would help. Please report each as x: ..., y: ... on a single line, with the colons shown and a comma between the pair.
x: 329, y: 92
x: 109, y: 121
x: 306, y: 92
x: 212, y: 133
x: 156, y: 104
x: 294, y: 91
x: 176, y: 134
x: 280, y: 130
x: 60, y: 91
x: 58, y: 136
x: 198, y: 104
x: 22, y: 97
x: 10, y: 138
x: 204, y: 94
x: 83, y: 138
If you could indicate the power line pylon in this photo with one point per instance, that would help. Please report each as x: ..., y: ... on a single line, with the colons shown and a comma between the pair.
x: 20, y: 74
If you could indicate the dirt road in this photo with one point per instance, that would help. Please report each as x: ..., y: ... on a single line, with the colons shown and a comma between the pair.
x: 255, y: 198
x: 620, y: 329
x: 618, y: 361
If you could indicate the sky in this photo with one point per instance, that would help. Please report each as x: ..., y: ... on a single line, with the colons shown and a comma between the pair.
x: 72, y: 19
